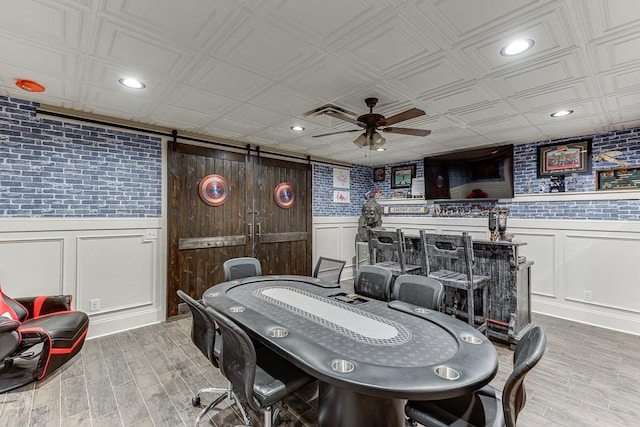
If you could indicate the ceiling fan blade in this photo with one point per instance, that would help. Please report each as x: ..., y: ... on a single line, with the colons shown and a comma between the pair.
x: 335, y: 133
x: 400, y: 117
x: 407, y: 131
x: 343, y: 117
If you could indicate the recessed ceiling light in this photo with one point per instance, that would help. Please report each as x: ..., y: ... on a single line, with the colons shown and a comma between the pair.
x: 132, y: 83
x: 381, y: 149
x: 516, y: 47
x: 562, y: 113
x: 297, y: 128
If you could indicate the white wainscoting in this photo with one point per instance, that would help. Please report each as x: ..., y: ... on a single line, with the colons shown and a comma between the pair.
x: 335, y: 237
x: 119, y: 262
x: 586, y: 271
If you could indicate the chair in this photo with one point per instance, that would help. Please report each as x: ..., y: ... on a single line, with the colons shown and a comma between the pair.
x: 329, y: 269
x: 487, y: 406
x: 207, y: 338
x: 387, y: 249
x: 373, y: 281
x: 449, y: 259
x: 37, y: 336
x: 259, y: 376
x: 239, y: 268
x: 424, y: 291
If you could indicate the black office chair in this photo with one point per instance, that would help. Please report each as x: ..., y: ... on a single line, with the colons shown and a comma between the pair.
x: 239, y: 268
x: 329, y: 269
x: 259, y: 376
x: 424, y: 291
x: 373, y: 281
x: 207, y: 338
x: 487, y: 406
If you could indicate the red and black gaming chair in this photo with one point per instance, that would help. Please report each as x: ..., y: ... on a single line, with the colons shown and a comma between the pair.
x: 37, y: 336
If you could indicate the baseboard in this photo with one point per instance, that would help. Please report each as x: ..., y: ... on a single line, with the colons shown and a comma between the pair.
x: 110, y: 324
x: 617, y: 321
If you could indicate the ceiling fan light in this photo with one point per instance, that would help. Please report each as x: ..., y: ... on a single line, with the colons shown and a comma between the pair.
x: 377, y: 139
x: 361, y: 141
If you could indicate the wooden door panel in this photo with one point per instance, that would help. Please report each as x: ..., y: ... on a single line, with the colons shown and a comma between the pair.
x: 283, y: 244
x: 201, y: 237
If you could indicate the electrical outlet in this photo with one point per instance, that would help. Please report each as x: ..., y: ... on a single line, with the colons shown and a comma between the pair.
x: 151, y: 234
x: 587, y: 296
x: 94, y: 305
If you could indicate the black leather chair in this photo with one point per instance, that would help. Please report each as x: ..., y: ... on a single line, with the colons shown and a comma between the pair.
x: 260, y: 377
x: 239, y: 268
x: 487, y: 406
x: 373, y: 281
x: 329, y: 269
x: 424, y: 291
x: 206, y: 336
x: 25, y: 323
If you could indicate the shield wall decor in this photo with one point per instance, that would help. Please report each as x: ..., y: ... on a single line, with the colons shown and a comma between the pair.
x: 214, y: 190
x: 285, y: 195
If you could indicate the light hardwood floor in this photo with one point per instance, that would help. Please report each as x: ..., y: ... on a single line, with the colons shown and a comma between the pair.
x: 146, y: 377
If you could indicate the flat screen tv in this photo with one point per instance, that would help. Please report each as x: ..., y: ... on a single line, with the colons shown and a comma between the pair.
x: 485, y: 173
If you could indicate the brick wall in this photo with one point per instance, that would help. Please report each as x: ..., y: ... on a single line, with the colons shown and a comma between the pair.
x: 49, y: 168
x: 627, y: 142
x: 323, y: 205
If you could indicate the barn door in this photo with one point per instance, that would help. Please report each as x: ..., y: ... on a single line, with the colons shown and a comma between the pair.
x: 284, y: 216
x: 202, y: 231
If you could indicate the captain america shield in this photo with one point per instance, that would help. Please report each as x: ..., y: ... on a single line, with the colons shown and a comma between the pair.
x: 284, y: 195
x: 214, y: 190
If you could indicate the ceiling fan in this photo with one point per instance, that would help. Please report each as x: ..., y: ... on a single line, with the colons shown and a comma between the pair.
x: 372, y: 123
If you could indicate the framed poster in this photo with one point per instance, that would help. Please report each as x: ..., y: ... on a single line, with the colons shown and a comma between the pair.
x: 564, y: 159
x: 379, y: 175
x: 341, y: 196
x: 401, y: 176
x: 341, y: 178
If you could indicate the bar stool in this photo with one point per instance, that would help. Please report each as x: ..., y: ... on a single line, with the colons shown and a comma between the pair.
x: 449, y: 259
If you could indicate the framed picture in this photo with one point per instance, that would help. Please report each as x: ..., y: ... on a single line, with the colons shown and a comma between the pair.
x: 564, y: 159
x: 401, y: 176
x: 618, y: 179
x: 379, y: 174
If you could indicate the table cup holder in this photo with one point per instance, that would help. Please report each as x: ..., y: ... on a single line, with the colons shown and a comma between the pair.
x: 447, y: 373
x: 470, y: 339
x: 278, y: 333
x: 342, y: 366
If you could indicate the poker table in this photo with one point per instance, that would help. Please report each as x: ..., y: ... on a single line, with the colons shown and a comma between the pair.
x: 368, y: 355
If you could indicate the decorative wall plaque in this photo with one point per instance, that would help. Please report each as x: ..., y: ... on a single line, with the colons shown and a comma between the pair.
x: 284, y: 195
x: 214, y: 190
x: 618, y: 179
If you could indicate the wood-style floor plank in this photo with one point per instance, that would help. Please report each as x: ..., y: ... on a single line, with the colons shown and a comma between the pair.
x: 588, y: 377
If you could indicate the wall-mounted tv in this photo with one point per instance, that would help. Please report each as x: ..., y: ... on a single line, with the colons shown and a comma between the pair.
x: 485, y: 173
